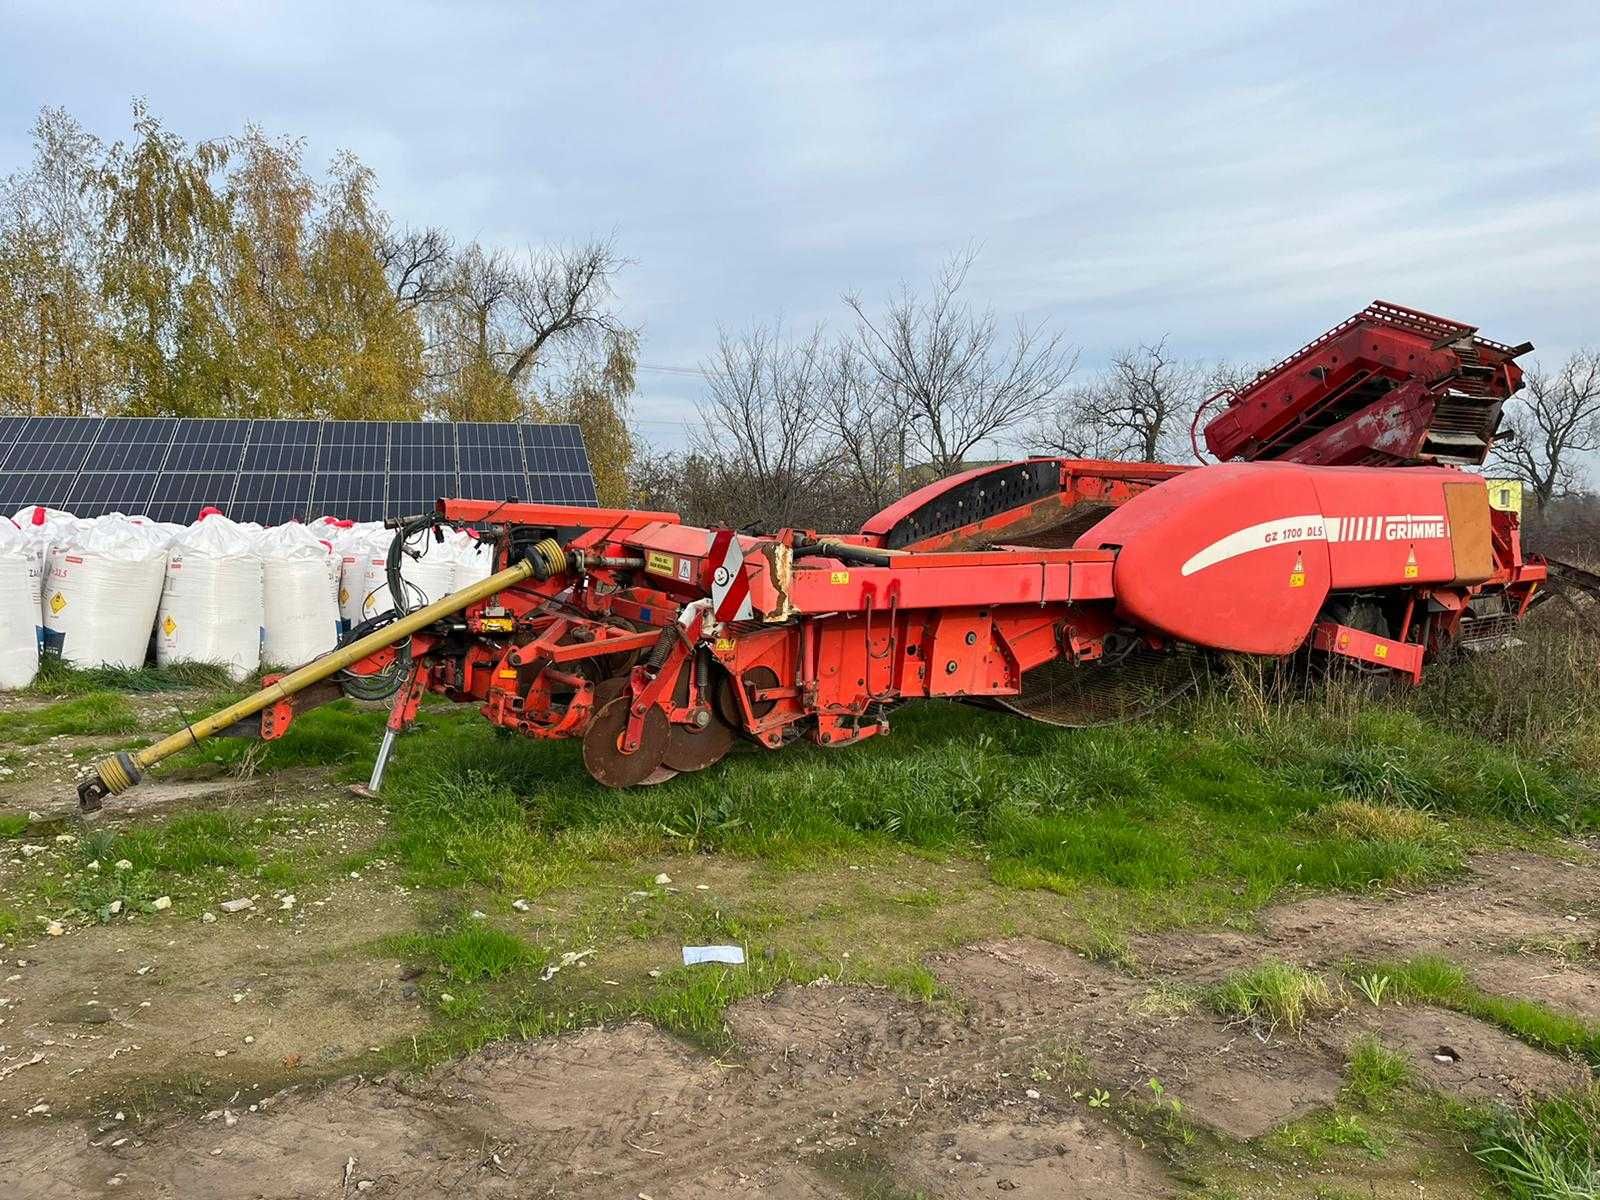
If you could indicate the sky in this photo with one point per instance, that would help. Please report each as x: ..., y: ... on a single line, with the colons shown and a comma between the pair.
x: 1235, y: 177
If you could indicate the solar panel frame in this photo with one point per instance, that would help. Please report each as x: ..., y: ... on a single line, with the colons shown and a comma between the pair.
x: 273, y: 470
x: 354, y: 496
x: 272, y: 497
x: 180, y: 495
x: 490, y: 448
x: 202, y: 445
x: 94, y: 495
x: 493, y: 486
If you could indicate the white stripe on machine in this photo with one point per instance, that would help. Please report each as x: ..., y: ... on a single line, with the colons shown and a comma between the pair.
x: 1314, y: 527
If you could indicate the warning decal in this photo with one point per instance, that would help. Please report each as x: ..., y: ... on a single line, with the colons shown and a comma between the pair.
x: 169, y: 626
x: 661, y: 564
x: 1297, y: 577
x: 1411, y: 564
x: 730, y: 586
x: 57, y: 603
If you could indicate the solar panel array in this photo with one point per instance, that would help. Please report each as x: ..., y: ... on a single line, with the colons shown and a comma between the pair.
x: 275, y: 471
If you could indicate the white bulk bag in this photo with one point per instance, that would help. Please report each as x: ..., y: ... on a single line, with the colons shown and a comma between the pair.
x: 44, y: 527
x: 301, y: 614
x: 211, y: 603
x: 474, y: 559
x: 357, y: 549
x: 101, y: 594
x: 19, y: 608
x: 430, y: 577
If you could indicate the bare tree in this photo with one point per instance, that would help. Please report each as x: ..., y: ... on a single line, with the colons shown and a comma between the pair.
x: 502, y: 316
x: 764, y: 428
x: 1551, y: 426
x: 951, y: 371
x: 417, y: 263
x: 868, y: 424
x: 1139, y: 408
x: 564, y: 293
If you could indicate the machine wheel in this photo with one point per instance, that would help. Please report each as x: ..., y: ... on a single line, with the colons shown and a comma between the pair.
x: 691, y: 749
x: 1126, y: 687
x: 727, y: 701
x: 603, y: 756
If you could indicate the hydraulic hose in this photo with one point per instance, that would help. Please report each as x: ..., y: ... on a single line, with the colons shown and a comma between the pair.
x: 122, y: 770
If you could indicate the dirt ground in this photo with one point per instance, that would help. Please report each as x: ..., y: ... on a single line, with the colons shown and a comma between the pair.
x: 1032, y: 1080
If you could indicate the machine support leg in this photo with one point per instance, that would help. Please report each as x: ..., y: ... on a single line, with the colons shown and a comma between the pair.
x: 404, y: 711
x: 385, y: 748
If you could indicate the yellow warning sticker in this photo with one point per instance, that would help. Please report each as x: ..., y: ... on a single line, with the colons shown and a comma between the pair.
x: 839, y: 577
x: 344, y: 597
x: 661, y: 564
x: 169, y: 627
x: 725, y: 645
x: 57, y: 603
x: 1411, y: 564
x: 1297, y: 577
x: 1380, y: 651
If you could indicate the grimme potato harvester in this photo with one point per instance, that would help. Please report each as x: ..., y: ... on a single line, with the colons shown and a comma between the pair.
x: 1341, y: 520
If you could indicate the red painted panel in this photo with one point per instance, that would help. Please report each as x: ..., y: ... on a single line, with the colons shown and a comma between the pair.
x: 1230, y: 556
x: 1241, y: 556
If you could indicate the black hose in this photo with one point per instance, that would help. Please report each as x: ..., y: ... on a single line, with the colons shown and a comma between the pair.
x: 392, y: 563
x: 385, y: 683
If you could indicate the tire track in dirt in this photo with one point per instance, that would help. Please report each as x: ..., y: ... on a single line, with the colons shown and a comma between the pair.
x: 947, y: 1097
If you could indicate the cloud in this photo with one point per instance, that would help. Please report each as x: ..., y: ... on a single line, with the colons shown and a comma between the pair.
x: 1239, y: 176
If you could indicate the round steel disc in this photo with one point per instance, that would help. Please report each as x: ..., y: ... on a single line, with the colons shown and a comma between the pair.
x: 1116, y: 689
x: 691, y: 749
x: 602, y: 752
x: 1082, y: 695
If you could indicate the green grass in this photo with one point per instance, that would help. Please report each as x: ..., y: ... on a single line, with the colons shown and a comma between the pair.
x: 1551, y: 1151
x: 470, y: 953
x: 1214, y: 807
x: 91, y: 714
x: 13, y: 824
x: 1146, y: 810
x: 1373, y: 1074
x: 1432, y: 979
x: 1272, y: 994
x: 10, y: 922
x: 690, y: 1002
x: 56, y: 678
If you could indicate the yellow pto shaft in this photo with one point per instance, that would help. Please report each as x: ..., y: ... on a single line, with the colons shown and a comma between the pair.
x: 122, y: 770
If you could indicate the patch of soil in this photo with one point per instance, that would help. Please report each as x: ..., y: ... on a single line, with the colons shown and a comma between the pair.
x: 1067, y: 1159
x: 1020, y: 983
x: 1225, y: 1076
x: 1508, y: 899
x: 1572, y: 987
x: 821, y: 1031
x: 606, y: 1112
x: 129, y: 1003
x: 962, y: 1102
x: 1467, y: 1058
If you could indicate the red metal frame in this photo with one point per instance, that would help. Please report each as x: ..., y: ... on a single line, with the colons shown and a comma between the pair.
x: 936, y: 597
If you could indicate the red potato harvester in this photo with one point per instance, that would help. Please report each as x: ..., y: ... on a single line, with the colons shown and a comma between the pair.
x: 1073, y: 592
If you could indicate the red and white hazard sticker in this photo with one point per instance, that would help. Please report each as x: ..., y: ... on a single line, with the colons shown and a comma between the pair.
x: 730, y: 586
